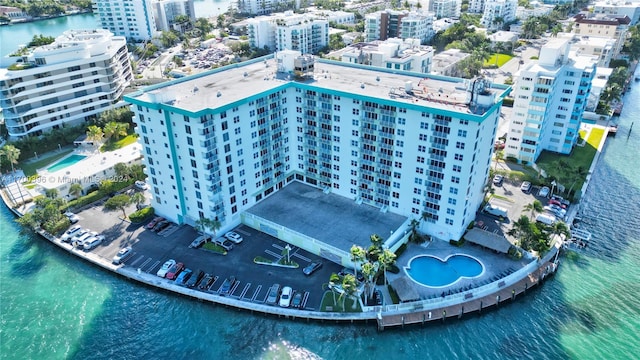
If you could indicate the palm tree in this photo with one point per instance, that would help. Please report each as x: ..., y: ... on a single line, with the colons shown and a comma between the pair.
x: 579, y: 173
x: 75, y: 190
x: 51, y: 193
x: 358, y: 255
x: 535, y: 207
x: 138, y: 199
x: 12, y: 154
x: 386, y: 259
x: 369, y: 270
x: 413, y: 226
x: 376, y: 240
x: 95, y: 134
x: 560, y: 228
x: 334, y: 280
x: 121, y: 130
x: 349, y: 288
x: 499, y: 156
x: 203, y: 224
x: 110, y: 129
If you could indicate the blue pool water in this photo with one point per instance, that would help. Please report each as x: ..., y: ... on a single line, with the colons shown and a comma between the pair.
x: 68, y: 161
x: 432, y: 271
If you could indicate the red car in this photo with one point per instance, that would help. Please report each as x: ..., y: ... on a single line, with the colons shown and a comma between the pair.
x: 556, y: 202
x: 174, y: 271
x: 155, y: 221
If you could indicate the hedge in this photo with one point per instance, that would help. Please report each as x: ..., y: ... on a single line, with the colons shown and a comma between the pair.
x: 142, y: 214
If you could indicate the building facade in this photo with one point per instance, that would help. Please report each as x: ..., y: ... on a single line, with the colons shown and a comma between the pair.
x: 386, y: 24
x: 619, y: 8
x: 289, y: 31
x: 497, y: 13
x: 397, y: 54
x: 265, y: 7
x: 445, y: 8
x: 133, y: 19
x: 218, y: 143
x: 165, y: 12
x: 610, y: 27
x: 70, y: 81
x: 550, y: 96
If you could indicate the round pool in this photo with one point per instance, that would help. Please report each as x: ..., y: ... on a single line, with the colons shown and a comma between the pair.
x: 431, y: 271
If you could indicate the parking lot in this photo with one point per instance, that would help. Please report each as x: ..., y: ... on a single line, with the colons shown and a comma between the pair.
x: 253, y: 281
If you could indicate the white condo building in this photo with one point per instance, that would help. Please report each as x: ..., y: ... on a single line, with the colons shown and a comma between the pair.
x: 620, y: 8
x: 218, y: 143
x: 476, y: 6
x: 289, y: 31
x: 165, y: 12
x: 264, y: 7
x: 386, y: 24
x: 133, y: 19
x: 604, y: 26
x: 550, y: 96
x: 394, y: 53
x: 445, y: 8
x: 70, y: 81
x: 536, y: 9
x: 497, y: 13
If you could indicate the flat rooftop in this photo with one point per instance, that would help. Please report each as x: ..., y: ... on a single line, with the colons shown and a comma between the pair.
x: 330, y: 218
x: 223, y: 87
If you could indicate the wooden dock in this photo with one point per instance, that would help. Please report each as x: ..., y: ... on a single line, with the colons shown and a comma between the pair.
x: 507, y: 294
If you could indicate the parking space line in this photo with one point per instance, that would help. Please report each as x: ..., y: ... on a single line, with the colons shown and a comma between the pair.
x: 255, y: 293
x: 278, y: 256
x: 215, y: 278
x: 301, y: 257
x: 244, y: 291
x: 137, y: 260
x: 234, y: 286
x: 148, y: 260
x: 305, y: 297
x: 245, y: 233
x: 152, y: 268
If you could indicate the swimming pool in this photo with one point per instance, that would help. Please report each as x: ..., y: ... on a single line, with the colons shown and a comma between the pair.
x: 68, y: 161
x: 431, y: 271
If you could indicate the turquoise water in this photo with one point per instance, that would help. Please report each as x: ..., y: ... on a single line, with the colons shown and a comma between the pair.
x: 432, y: 271
x: 66, y: 162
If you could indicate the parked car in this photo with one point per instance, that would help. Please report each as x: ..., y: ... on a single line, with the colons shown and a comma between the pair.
x: 78, y: 235
x: 496, y: 211
x: 557, y: 203
x: 543, y: 192
x: 174, y: 271
x: 556, y: 210
x: 561, y: 199
x: 73, y: 218
x: 526, y: 186
x: 296, y: 301
x: 346, y: 271
x: 141, y: 185
x: 122, y: 255
x: 274, y: 291
x: 225, y: 243
x: 79, y: 241
x: 70, y: 233
x: 285, y: 297
x: 199, y: 241
x: 206, y: 282
x: 498, y: 180
x: 184, y: 276
x: 311, y: 268
x: 165, y: 267
x: 227, y: 285
x: 233, y: 236
x: 154, y: 222
x: 92, y: 242
x: 195, y: 279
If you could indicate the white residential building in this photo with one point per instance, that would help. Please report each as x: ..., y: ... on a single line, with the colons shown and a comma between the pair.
x: 476, y: 6
x: 620, y: 8
x: 497, y: 13
x: 216, y: 144
x: 394, y: 53
x: 446, y: 62
x: 289, y: 31
x: 600, y: 48
x: 338, y: 17
x: 536, y: 9
x: 264, y: 7
x: 386, y: 24
x: 445, y: 8
x: 610, y: 27
x: 598, y: 84
x: 133, y: 19
x: 69, y: 81
x: 165, y: 12
x: 550, y: 96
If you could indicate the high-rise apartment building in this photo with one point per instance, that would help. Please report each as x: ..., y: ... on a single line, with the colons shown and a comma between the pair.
x: 166, y: 11
x: 497, y: 13
x: 265, y: 7
x: 289, y: 31
x: 386, y: 24
x: 550, y: 96
x: 604, y: 26
x: 219, y: 142
x: 70, y: 81
x: 445, y: 8
x: 133, y: 19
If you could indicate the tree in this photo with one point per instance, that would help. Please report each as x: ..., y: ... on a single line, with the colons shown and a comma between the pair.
x: 334, y: 280
x: 349, y: 288
x: 118, y: 202
x: 358, y: 255
x: 204, y: 26
x: 413, y: 226
x: 203, y: 224
x: 369, y: 271
x: 138, y: 199
x: 75, y: 190
x: 122, y: 170
x: 560, y: 228
x: 386, y: 259
x: 168, y: 39
x: 51, y: 193
x: 534, y: 207
x: 11, y: 153
x: 94, y: 134
x: 110, y: 129
x: 336, y: 42
x: 499, y: 157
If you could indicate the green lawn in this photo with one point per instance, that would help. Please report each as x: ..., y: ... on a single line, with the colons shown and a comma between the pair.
x: 327, y: 301
x: 30, y: 167
x: 115, y: 145
x: 497, y: 59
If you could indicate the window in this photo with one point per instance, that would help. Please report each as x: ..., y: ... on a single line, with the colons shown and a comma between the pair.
x: 462, y: 133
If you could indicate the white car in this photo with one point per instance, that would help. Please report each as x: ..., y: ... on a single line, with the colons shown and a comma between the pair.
x: 141, y: 185
x: 233, y: 236
x: 73, y: 218
x: 199, y: 241
x: 165, y: 268
x: 122, y: 255
x: 543, y: 192
x: 70, y: 233
x: 79, y: 242
x: 285, y: 297
x: 92, y: 242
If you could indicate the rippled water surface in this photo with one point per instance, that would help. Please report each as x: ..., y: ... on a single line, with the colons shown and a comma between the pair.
x: 54, y: 306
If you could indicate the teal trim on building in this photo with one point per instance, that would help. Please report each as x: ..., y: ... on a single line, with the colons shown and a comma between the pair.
x: 176, y: 167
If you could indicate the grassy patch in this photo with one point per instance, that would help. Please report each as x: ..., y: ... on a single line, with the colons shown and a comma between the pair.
x: 30, y: 168
x: 328, y: 305
x: 262, y: 260
x: 214, y: 248
x: 115, y: 145
x: 497, y: 59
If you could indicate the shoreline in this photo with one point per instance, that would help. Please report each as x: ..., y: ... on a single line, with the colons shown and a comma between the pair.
x: 39, y: 18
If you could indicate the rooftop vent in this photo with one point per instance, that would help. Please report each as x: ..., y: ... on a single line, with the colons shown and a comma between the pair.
x: 362, y: 85
x: 377, y: 78
x: 219, y: 94
x: 245, y: 74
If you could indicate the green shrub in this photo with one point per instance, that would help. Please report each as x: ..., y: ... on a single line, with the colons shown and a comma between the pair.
x: 457, y: 243
x: 400, y: 250
x: 58, y: 227
x: 507, y: 102
x: 141, y: 215
x: 213, y: 247
x: 262, y: 259
x: 394, y: 269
